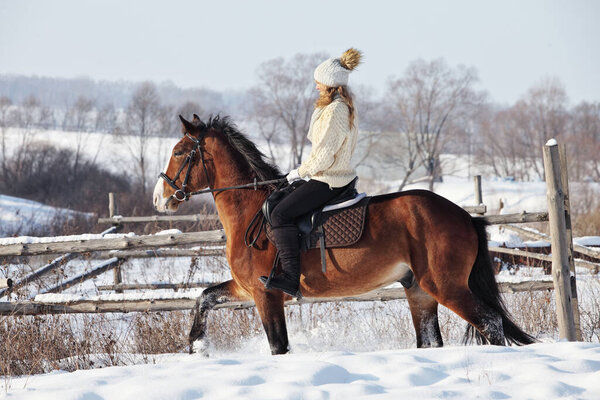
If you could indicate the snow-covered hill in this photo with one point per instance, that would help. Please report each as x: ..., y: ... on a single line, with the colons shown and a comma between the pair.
x: 25, y: 217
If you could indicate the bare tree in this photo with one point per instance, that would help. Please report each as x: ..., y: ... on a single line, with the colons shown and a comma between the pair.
x: 142, y: 120
x: 503, y: 141
x: 5, y: 106
x: 106, y: 118
x: 82, y: 110
x: 80, y: 117
x: 32, y: 114
x: 428, y: 98
x: 584, y: 141
x: 269, y: 128
x: 284, y: 98
x: 545, y: 117
x: 372, y: 119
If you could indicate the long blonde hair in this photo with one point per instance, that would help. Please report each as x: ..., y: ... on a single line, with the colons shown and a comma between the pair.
x: 327, y: 96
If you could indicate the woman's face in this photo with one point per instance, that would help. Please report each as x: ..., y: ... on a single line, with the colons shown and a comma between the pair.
x: 321, y: 87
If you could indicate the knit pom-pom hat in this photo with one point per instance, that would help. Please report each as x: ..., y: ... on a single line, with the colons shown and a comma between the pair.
x: 334, y: 72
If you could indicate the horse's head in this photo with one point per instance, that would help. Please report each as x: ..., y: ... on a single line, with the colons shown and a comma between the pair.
x: 186, y: 170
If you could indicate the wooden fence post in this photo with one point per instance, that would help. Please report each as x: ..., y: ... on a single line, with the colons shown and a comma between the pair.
x: 111, y: 204
x: 117, y: 275
x: 478, y: 193
x: 561, y: 274
x: 564, y: 177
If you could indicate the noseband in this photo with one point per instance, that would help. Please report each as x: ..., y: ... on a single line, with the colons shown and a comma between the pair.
x: 180, y: 192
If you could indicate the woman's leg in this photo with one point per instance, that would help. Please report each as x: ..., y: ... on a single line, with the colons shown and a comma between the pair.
x: 305, y: 198
x: 302, y: 200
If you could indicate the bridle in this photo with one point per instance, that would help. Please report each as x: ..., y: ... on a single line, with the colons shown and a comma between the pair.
x: 180, y: 192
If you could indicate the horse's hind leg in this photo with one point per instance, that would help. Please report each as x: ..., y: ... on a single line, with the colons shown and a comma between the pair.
x: 271, y: 310
x: 485, y: 319
x: 424, y: 311
x: 210, y: 297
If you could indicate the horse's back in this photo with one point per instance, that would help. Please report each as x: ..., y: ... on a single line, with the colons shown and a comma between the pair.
x: 421, y: 213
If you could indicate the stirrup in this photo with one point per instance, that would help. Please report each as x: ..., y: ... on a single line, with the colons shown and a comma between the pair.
x: 267, y: 282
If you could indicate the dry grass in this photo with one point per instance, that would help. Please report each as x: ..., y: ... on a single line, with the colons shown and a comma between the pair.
x: 34, y: 345
x: 585, y: 211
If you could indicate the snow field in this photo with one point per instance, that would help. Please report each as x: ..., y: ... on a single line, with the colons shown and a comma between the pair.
x: 539, y: 371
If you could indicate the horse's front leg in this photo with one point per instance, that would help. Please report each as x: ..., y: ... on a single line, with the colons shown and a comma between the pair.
x: 269, y: 304
x: 210, y: 297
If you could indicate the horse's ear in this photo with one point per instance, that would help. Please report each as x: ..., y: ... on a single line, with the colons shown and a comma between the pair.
x: 187, y: 125
x: 198, y: 122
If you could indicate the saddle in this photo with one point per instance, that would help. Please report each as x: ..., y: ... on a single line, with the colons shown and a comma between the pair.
x: 339, y: 223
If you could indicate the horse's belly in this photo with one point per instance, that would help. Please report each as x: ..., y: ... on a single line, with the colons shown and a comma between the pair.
x: 355, y: 282
x: 398, y: 272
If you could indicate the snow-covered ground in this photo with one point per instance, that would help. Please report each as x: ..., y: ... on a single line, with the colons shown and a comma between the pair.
x: 331, y: 358
x: 26, y: 216
x: 539, y: 371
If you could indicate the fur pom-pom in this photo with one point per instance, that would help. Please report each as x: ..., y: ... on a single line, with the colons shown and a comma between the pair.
x: 351, y: 58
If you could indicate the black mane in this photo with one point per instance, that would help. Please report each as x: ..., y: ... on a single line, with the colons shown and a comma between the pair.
x: 255, y: 158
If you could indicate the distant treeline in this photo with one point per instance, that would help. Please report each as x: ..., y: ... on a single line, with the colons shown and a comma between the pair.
x: 428, y: 109
x: 62, y: 93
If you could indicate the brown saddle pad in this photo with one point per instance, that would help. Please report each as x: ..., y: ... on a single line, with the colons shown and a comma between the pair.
x: 341, y: 228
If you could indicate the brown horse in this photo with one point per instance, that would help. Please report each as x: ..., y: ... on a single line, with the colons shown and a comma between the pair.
x: 413, y: 233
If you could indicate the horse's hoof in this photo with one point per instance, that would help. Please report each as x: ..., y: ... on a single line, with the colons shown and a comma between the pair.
x: 199, y: 347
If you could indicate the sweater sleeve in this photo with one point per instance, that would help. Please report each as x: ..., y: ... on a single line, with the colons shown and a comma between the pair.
x: 332, y: 133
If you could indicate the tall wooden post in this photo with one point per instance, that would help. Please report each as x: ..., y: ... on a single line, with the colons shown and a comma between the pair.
x: 111, y: 205
x: 117, y: 276
x: 560, y: 260
x: 478, y: 193
x: 569, y: 231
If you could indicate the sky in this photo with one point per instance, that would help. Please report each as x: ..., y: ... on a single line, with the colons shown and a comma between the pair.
x: 220, y: 44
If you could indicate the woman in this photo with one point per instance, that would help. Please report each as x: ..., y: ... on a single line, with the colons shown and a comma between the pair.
x: 333, y: 131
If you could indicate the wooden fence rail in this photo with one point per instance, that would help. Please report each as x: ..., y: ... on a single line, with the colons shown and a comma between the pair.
x: 215, y: 237
x: 479, y: 209
x: 145, y: 305
x: 98, y: 270
x: 592, y: 253
x: 593, y: 267
x: 155, y: 253
x: 117, y: 219
x: 46, y: 269
x: 154, y: 286
x: 517, y: 218
x: 127, y: 242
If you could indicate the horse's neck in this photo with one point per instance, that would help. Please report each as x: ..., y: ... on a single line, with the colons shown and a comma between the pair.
x: 236, y: 207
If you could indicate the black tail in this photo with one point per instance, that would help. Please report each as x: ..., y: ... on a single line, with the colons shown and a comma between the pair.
x: 482, y: 283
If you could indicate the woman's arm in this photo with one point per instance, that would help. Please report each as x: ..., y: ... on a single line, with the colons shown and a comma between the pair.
x: 333, y: 131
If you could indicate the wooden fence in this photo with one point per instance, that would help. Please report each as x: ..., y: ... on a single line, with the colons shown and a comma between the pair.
x: 162, y: 304
x: 116, y: 250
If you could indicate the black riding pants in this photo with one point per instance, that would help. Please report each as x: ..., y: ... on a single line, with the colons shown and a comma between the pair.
x: 304, y: 198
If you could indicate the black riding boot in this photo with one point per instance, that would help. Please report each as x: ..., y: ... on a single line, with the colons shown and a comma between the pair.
x: 287, y: 241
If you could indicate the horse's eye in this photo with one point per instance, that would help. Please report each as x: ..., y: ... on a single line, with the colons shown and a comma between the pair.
x: 178, y: 153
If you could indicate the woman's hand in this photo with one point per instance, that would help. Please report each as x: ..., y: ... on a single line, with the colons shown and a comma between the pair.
x: 293, y: 176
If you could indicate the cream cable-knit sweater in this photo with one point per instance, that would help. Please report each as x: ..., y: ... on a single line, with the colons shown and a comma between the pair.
x: 333, y: 143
